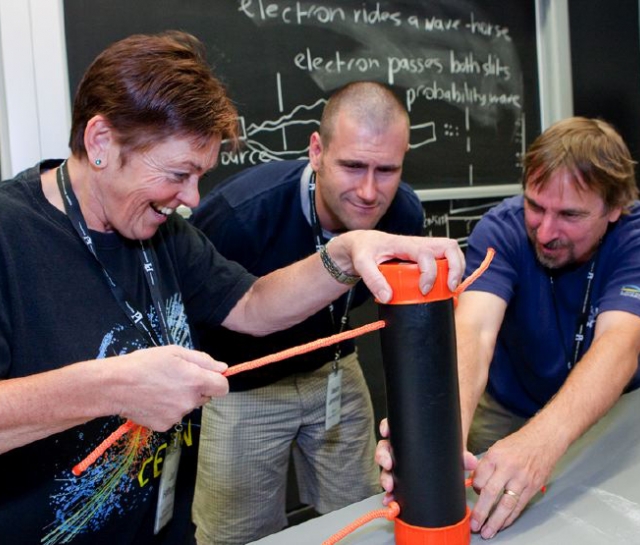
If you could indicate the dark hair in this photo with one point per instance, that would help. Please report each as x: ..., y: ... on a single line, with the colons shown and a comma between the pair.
x: 151, y: 87
x: 368, y: 102
x: 592, y: 151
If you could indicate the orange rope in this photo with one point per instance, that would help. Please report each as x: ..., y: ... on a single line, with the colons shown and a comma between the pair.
x: 80, y: 468
x: 474, y: 276
x: 390, y: 512
x: 304, y: 348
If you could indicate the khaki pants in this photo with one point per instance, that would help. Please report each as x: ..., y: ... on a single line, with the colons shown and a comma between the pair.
x: 491, y: 422
x: 245, y: 446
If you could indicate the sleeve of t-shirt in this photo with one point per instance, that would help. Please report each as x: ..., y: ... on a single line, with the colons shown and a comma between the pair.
x: 211, y: 284
x: 226, y: 230
x: 621, y: 268
x: 498, y: 229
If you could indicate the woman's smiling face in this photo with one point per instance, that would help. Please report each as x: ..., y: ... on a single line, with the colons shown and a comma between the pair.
x: 134, y: 199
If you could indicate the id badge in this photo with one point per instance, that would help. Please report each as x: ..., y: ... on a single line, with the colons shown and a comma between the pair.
x: 168, y: 480
x: 334, y: 399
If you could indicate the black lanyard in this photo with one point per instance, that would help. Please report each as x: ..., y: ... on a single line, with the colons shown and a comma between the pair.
x: 317, y: 234
x: 147, y: 257
x: 583, y: 319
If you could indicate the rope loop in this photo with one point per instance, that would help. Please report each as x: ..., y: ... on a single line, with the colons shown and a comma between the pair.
x: 475, y: 275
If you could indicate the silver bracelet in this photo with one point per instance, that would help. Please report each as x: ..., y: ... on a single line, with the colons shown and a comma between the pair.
x: 334, y: 270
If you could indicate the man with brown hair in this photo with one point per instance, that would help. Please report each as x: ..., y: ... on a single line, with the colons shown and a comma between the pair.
x: 549, y: 336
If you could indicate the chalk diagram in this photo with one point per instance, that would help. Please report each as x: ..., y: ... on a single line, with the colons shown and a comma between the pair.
x: 250, y: 134
x: 270, y: 140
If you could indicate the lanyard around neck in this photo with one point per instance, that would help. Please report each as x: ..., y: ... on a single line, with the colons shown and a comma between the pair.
x: 317, y: 235
x: 145, y: 253
x: 583, y: 318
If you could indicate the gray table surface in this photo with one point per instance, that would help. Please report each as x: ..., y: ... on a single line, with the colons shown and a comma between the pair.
x: 593, y: 497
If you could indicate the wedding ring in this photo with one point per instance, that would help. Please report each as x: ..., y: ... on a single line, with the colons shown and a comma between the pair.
x: 511, y: 493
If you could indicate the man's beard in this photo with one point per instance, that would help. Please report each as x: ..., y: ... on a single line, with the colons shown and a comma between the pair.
x: 558, y: 262
x: 552, y: 262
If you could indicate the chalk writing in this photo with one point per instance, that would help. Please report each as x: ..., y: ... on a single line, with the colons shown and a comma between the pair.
x: 469, y: 64
x: 300, y: 13
x: 376, y: 16
x: 291, y: 12
x: 466, y: 70
x: 336, y: 63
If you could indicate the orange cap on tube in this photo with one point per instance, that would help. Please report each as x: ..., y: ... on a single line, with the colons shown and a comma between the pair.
x: 404, y: 276
x: 456, y: 534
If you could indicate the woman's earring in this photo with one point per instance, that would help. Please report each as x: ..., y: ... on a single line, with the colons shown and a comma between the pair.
x: 98, y: 162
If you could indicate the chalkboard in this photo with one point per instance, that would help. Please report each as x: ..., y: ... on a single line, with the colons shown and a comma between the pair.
x: 466, y: 71
x: 605, y: 63
x: 455, y: 218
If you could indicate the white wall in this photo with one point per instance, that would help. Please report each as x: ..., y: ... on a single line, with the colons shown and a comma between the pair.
x: 35, y: 116
x: 554, y: 61
x: 34, y: 97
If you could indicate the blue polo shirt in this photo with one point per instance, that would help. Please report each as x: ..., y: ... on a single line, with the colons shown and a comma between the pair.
x: 535, y: 342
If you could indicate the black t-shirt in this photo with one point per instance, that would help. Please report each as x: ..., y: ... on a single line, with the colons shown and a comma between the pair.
x: 55, y: 309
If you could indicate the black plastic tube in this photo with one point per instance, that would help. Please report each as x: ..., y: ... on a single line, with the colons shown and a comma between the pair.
x: 423, y: 406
